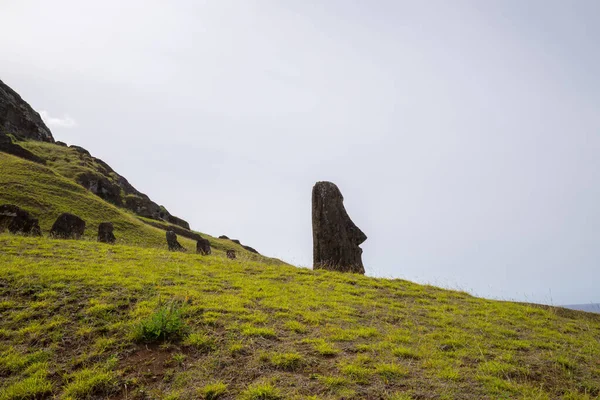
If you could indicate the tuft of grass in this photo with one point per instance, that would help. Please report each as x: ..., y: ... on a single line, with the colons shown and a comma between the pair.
x: 285, y: 361
x: 256, y: 331
x: 87, y: 382
x: 213, y: 391
x: 261, y: 391
x: 404, y: 352
x: 166, y: 323
x: 296, y: 326
x: 390, y: 372
x: 201, y: 342
x: 32, y: 387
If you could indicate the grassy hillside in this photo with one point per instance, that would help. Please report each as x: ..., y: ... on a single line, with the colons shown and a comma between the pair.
x: 80, y: 319
x: 46, y: 194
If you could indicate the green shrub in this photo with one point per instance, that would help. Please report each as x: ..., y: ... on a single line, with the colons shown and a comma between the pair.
x: 164, y: 324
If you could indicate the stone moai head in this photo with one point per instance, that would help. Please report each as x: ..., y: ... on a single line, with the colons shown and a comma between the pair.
x: 336, y: 238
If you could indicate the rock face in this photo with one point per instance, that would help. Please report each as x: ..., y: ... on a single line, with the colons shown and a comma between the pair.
x: 7, y: 146
x: 17, y: 220
x: 105, y: 233
x: 203, y: 246
x: 19, y: 119
x: 335, y: 237
x: 172, y: 242
x: 68, y: 226
x: 231, y: 254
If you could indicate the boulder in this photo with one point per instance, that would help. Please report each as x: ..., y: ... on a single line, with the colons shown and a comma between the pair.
x: 7, y: 146
x: 17, y: 220
x: 19, y: 119
x: 173, y: 243
x: 250, y: 249
x: 223, y: 237
x: 203, y: 246
x: 236, y: 241
x: 231, y: 254
x: 105, y: 233
x: 67, y: 226
x: 336, y: 238
x: 100, y: 186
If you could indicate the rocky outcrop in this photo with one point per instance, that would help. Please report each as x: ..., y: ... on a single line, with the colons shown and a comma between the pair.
x: 105, y: 233
x: 203, y: 246
x: 336, y: 238
x: 172, y: 242
x: 19, y: 119
x: 17, y: 220
x: 7, y: 146
x: 236, y: 241
x: 101, y: 187
x: 68, y: 226
x: 231, y: 254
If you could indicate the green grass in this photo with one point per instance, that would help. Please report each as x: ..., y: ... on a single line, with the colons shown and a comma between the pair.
x: 70, y: 311
x: 47, y: 191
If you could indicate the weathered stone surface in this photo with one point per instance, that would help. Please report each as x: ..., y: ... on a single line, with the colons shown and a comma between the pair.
x: 19, y: 119
x: 68, y: 226
x: 17, y: 220
x: 236, y: 241
x: 173, y: 243
x: 336, y: 238
x: 250, y: 249
x: 101, y: 187
x: 203, y: 246
x: 7, y: 146
x: 223, y: 237
x: 105, y: 233
x: 63, y: 144
x: 80, y: 149
x: 231, y: 254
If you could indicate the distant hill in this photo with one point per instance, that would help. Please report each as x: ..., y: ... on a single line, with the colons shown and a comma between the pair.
x: 46, y: 177
x: 592, y: 307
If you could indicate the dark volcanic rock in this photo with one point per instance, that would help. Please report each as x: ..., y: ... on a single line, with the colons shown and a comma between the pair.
x: 80, y: 149
x: 223, y: 237
x: 18, y: 118
x: 63, y: 144
x: 17, y: 220
x: 176, y: 220
x: 7, y: 146
x: 231, y: 254
x: 68, y: 226
x: 203, y: 246
x: 173, y: 243
x: 335, y: 237
x: 101, y: 187
x: 250, y: 249
x: 105, y: 233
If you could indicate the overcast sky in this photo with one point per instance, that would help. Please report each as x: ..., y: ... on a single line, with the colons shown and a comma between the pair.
x: 464, y: 135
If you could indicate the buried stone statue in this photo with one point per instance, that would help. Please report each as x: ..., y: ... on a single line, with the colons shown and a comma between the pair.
x: 335, y: 237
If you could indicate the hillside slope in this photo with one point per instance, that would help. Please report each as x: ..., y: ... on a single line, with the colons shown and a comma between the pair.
x: 46, y: 194
x: 81, y: 319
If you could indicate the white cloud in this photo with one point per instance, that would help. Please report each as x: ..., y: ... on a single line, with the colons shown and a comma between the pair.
x: 65, y: 122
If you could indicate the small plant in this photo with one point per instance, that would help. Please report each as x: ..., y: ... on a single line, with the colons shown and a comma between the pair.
x: 213, y: 391
x: 33, y: 387
x: 286, y: 361
x: 389, y: 372
x: 166, y: 323
x: 201, y: 342
x: 333, y: 382
x: 296, y: 326
x: 404, y: 352
x: 179, y: 358
x: 89, y: 381
x: 255, y: 331
x: 357, y: 373
x: 261, y: 391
